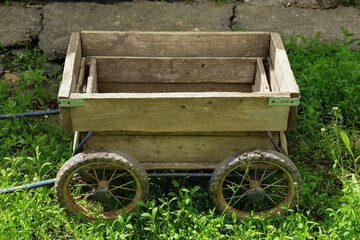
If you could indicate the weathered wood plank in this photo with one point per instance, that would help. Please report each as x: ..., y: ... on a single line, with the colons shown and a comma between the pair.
x: 71, y: 67
x: 280, y: 62
x: 261, y: 84
x: 284, y: 74
x: 179, y: 165
x: 283, y: 144
x: 175, y: 44
x: 293, y: 113
x: 81, y: 79
x: 272, y: 79
x: 92, y: 83
x: 70, y: 74
x: 176, y: 70
x: 114, y: 87
x: 198, y: 149
x: 179, y: 112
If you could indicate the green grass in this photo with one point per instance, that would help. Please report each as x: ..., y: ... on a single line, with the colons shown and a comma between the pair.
x: 321, y: 146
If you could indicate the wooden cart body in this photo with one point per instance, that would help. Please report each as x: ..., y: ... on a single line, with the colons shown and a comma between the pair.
x: 178, y: 100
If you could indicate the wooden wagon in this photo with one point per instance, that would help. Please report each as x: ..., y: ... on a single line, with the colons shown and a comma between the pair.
x: 178, y: 100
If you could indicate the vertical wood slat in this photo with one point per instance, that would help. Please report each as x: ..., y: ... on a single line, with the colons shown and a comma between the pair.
x: 261, y: 84
x: 81, y: 79
x: 283, y: 143
x: 70, y: 75
x: 274, y: 85
x: 92, y: 86
x: 284, y: 74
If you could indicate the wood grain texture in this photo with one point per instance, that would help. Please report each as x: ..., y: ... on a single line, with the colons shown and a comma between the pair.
x: 71, y: 67
x: 280, y: 62
x: 293, y: 113
x: 68, y: 83
x: 197, y: 149
x: 175, y: 44
x: 283, y: 143
x: 261, y: 83
x: 92, y: 83
x: 179, y: 165
x: 176, y: 70
x: 110, y: 87
x: 179, y: 112
x: 284, y: 74
x: 81, y: 79
x: 274, y: 85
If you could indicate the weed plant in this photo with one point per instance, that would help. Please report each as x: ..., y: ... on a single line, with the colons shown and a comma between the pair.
x: 321, y: 146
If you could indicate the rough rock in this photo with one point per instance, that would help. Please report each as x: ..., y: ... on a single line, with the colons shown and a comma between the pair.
x: 255, y: 16
x: 61, y: 19
x: 12, y: 78
x: 314, y: 4
x: 18, y: 24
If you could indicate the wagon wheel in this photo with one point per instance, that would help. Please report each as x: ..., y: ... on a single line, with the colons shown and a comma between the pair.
x: 102, y: 184
x: 255, y: 183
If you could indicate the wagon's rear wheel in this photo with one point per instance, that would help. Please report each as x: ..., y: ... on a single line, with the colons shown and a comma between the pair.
x: 102, y: 184
x: 255, y: 183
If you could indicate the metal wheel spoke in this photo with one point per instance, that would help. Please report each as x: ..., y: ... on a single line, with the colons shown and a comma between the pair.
x: 81, y: 181
x: 90, y: 175
x: 271, y: 199
x: 240, y: 197
x: 112, y: 175
x: 104, y: 173
x: 247, y: 204
x: 243, y: 176
x: 240, y: 186
x: 271, y: 174
x: 118, y: 176
x: 125, y: 198
x: 274, y: 195
x: 122, y: 186
x: 244, y: 185
x: 233, y: 197
x: 83, y: 185
x: 85, y: 197
x: 262, y: 177
x: 116, y: 199
x: 96, y: 175
x: 274, y: 183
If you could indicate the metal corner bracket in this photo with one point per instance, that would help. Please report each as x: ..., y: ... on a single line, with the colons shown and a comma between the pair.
x: 71, y: 102
x: 284, y: 102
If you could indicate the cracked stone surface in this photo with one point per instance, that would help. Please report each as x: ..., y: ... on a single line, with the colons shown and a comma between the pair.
x: 61, y: 19
x: 18, y: 24
x: 257, y: 16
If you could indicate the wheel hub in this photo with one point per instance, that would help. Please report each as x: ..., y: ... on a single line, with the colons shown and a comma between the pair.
x: 256, y: 193
x: 102, y: 193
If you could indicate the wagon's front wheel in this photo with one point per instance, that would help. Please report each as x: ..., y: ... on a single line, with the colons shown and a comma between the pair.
x: 101, y: 183
x: 255, y: 182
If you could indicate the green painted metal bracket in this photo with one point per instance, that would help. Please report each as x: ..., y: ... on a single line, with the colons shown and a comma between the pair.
x: 284, y: 102
x: 71, y: 102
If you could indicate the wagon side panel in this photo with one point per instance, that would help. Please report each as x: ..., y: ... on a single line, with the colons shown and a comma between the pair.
x: 189, y: 114
x: 185, y: 151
